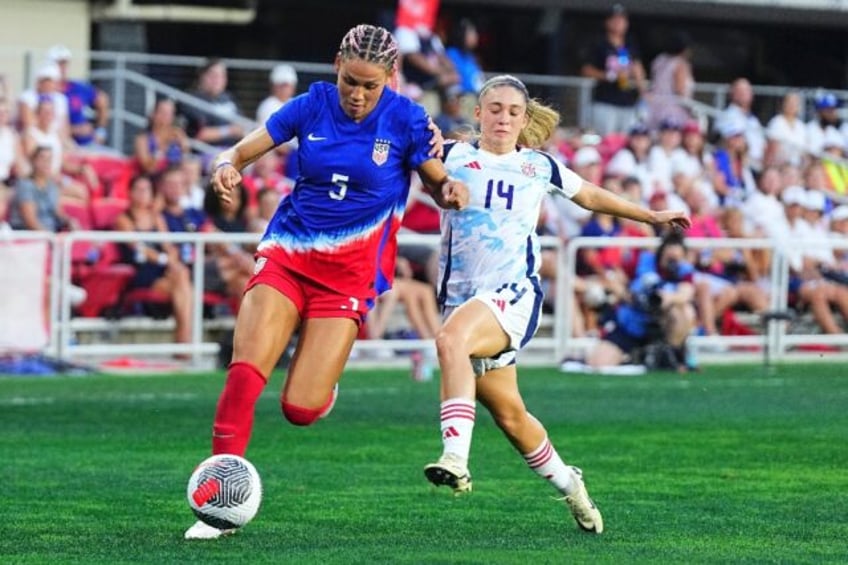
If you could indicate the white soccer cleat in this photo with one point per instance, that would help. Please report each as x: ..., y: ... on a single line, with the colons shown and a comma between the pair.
x: 449, y: 470
x: 334, y: 395
x: 202, y: 530
x: 585, y: 513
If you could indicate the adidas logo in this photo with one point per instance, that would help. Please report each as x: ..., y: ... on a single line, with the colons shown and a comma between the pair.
x: 473, y: 165
x: 450, y: 431
x: 500, y: 303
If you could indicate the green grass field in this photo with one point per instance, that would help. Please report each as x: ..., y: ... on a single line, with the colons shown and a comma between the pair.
x: 730, y: 465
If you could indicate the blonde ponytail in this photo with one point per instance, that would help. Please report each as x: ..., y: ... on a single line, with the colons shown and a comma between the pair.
x: 542, y: 120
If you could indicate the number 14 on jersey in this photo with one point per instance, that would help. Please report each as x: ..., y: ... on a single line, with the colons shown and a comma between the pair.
x: 500, y: 190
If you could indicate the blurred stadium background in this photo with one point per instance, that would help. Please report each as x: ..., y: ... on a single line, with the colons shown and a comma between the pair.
x: 137, y: 51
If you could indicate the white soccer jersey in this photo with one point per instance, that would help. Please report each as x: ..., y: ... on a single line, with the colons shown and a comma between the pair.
x: 492, y: 242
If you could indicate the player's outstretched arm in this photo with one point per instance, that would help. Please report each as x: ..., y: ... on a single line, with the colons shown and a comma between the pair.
x: 446, y: 192
x: 227, y: 166
x: 597, y: 199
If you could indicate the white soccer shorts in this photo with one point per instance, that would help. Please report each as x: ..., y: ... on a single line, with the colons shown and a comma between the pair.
x: 518, y: 309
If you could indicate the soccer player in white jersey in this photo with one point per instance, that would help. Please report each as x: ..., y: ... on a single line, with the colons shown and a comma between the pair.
x: 489, y: 284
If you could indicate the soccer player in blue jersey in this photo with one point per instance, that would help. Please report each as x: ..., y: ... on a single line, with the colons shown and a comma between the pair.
x: 330, y: 248
x: 489, y: 283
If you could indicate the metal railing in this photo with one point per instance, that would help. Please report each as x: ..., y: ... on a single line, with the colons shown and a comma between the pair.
x: 776, y: 339
x: 63, y: 326
x: 543, y: 349
x: 152, y: 89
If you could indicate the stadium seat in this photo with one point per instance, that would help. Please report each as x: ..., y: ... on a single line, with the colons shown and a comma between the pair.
x: 104, y: 285
x: 115, y: 173
x: 105, y: 211
x: 79, y: 212
x: 81, y: 251
x: 161, y: 302
x: 95, y: 267
x: 610, y: 145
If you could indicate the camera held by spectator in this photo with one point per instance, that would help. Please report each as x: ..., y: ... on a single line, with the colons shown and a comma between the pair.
x: 651, y: 327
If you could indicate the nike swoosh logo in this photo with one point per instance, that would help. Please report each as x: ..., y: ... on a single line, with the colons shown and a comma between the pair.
x: 313, y: 137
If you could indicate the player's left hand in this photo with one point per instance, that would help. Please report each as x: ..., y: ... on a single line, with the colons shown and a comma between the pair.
x: 675, y: 218
x: 225, y: 179
x: 437, y: 142
x: 454, y: 195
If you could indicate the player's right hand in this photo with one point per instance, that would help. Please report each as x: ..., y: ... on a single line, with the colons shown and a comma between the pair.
x: 455, y: 194
x: 224, y: 180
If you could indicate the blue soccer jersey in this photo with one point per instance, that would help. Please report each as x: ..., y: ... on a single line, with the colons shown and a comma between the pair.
x: 339, y: 225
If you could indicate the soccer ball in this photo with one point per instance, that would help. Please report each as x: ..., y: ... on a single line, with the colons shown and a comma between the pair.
x: 225, y: 491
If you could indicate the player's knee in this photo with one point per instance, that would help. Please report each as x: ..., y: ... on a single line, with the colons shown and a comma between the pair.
x: 449, y: 343
x: 298, y: 415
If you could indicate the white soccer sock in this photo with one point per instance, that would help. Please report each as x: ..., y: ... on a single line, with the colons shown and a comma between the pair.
x: 457, y: 417
x: 546, y: 462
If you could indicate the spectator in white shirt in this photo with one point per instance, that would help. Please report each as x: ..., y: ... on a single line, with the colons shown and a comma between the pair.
x: 839, y: 233
x: 46, y: 86
x: 566, y: 218
x: 787, y: 134
x: 805, y: 261
x: 664, y: 151
x: 814, y: 206
x: 283, y: 80
x: 632, y: 160
x: 826, y: 122
x: 739, y: 110
x: 762, y: 210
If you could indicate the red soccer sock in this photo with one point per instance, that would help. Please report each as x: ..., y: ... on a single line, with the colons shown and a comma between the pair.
x: 234, y: 415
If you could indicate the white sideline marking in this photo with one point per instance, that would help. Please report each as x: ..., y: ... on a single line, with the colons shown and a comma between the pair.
x: 690, y: 381
x: 116, y: 397
x: 26, y: 400
x: 167, y: 396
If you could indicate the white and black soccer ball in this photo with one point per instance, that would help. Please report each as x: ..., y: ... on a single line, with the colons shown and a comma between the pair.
x: 224, y: 491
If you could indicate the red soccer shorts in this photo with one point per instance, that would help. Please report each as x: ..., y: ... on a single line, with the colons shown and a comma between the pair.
x: 312, y: 300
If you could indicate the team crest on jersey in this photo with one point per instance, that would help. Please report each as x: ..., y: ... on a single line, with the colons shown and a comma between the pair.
x: 381, y: 151
x: 528, y: 168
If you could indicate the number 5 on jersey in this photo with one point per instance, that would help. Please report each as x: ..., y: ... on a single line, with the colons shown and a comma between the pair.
x: 341, y: 182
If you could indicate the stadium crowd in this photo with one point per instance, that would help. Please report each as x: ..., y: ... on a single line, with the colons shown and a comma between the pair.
x: 736, y: 177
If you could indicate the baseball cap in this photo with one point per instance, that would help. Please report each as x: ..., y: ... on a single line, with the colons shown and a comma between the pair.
x: 638, y: 129
x: 732, y: 127
x: 617, y: 10
x: 814, y: 200
x: 656, y: 197
x: 794, y: 195
x: 692, y: 126
x: 58, y: 53
x: 839, y: 213
x: 586, y: 156
x: 670, y: 124
x: 827, y: 101
x: 48, y: 71
x: 283, y: 74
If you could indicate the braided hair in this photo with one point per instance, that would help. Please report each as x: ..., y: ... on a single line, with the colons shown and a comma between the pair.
x: 372, y: 44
